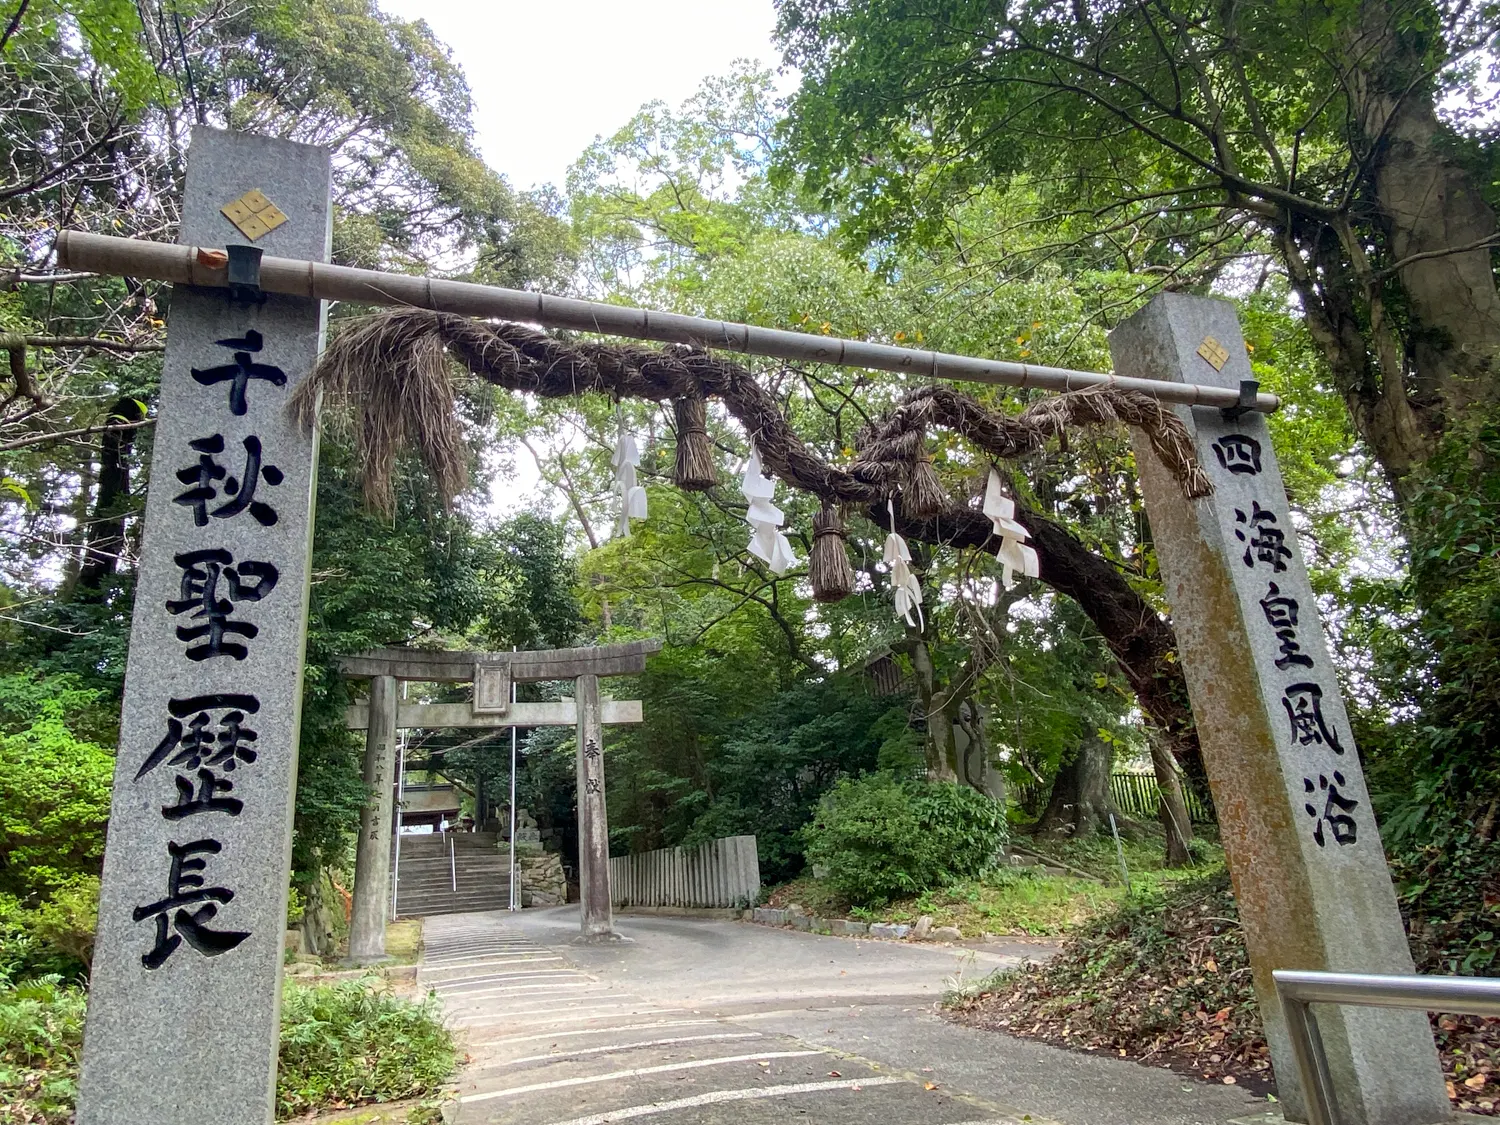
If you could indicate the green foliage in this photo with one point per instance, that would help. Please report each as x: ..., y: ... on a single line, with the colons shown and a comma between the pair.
x: 881, y: 837
x: 54, y: 793
x: 350, y: 1043
x: 41, y: 1043
x: 341, y: 1044
x: 66, y: 922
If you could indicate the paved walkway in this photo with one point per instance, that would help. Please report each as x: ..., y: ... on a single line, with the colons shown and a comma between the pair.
x: 716, y: 1022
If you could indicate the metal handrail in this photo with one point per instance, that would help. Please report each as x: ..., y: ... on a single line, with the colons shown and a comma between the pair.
x: 1298, y: 989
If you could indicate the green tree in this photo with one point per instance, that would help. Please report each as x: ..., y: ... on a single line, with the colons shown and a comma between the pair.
x: 54, y: 790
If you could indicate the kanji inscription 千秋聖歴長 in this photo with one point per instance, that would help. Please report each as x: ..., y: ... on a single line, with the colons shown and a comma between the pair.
x: 193, y: 896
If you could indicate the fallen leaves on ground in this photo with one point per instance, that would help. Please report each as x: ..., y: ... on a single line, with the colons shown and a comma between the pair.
x: 1166, y: 980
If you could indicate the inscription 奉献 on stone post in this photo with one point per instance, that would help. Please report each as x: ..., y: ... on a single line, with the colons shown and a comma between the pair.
x: 1309, y: 872
x: 595, y: 912
x: 184, y: 1005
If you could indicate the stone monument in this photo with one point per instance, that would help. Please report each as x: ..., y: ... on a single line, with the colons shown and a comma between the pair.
x: 184, y: 1007
x: 1309, y: 873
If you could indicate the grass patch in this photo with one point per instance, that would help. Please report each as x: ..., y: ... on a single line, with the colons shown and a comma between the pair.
x: 1019, y: 900
x: 403, y: 941
x: 349, y: 1044
x: 41, y: 1040
x: 342, y: 1045
x: 1016, y: 901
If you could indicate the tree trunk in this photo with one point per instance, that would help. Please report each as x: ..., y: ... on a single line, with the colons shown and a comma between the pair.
x: 1140, y: 639
x: 1080, y: 803
x: 1174, y: 811
x: 105, y: 542
x: 942, y: 756
x: 1413, y: 337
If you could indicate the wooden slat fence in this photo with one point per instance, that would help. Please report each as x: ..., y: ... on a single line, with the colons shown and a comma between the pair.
x: 1135, y: 794
x: 720, y: 873
x: 1138, y: 795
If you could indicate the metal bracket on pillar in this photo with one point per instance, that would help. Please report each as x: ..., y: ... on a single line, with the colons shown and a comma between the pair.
x: 243, y: 275
x: 1249, y: 390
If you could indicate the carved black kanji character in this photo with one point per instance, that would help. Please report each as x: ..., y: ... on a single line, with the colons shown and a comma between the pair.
x: 1281, y: 614
x: 185, y: 888
x: 239, y: 491
x: 239, y: 373
x: 1340, y: 824
x: 591, y: 785
x: 202, y: 571
x: 1304, y: 709
x: 591, y: 749
x: 205, y: 799
x: 204, y: 740
x: 1265, y: 540
x: 1239, y: 453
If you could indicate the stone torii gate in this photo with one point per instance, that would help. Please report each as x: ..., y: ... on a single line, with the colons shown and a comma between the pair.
x: 183, y: 1019
x: 492, y: 674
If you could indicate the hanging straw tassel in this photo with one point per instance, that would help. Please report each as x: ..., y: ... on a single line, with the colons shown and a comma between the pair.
x: 923, y: 497
x: 695, y: 471
x: 828, y: 565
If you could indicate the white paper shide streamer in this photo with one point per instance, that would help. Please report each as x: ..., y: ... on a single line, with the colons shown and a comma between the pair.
x: 632, y: 495
x: 1014, y: 555
x: 767, y: 542
x: 907, y: 589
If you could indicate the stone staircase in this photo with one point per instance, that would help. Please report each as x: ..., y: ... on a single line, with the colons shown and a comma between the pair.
x: 427, y: 875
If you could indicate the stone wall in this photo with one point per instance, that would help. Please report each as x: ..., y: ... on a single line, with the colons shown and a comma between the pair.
x: 543, y: 882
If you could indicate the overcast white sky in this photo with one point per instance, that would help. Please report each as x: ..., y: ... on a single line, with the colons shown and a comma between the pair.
x: 548, y: 76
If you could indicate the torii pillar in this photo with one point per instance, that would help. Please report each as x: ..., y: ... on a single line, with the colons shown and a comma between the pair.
x: 492, y: 674
x: 1310, y: 876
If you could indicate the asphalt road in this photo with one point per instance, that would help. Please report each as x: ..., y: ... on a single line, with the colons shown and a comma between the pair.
x: 709, y: 1021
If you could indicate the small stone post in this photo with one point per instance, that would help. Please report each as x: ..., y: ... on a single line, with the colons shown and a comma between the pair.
x: 372, y: 856
x: 184, y: 1008
x: 1309, y: 873
x: 596, y: 915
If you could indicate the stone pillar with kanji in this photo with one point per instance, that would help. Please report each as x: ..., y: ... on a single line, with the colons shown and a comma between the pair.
x: 184, y: 1004
x: 596, y: 913
x: 1310, y: 877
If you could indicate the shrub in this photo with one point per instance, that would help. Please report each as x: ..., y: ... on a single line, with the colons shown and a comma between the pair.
x: 881, y: 837
x: 340, y: 1044
x: 66, y: 922
x: 348, y: 1043
x: 41, y: 1038
x: 54, y: 804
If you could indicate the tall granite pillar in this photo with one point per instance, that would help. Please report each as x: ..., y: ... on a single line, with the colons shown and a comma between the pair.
x: 184, y: 1009
x: 372, y: 855
x: 596, y: 914
x: 1309, y: 873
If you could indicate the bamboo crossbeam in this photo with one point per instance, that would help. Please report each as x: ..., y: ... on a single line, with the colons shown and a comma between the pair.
x: 129, y: 257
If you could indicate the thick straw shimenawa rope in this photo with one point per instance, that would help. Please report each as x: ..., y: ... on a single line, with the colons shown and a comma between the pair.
x: 393, y: 370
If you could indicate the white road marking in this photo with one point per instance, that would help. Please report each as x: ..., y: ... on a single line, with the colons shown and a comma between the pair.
x: 441, y: 967
x: 696, y: 1064
x: 627, y: 1047
x: 719, y: 1096
x: 459, y: 994
x: 600, y: 1011
x: 597, y: 1031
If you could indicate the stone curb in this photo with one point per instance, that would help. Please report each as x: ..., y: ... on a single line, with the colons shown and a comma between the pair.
x: 778, y: 918
x: 837, y: 927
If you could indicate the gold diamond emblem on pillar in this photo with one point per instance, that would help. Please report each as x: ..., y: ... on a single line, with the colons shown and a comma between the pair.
x: 1215, y: 352
x: 253, y: 214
